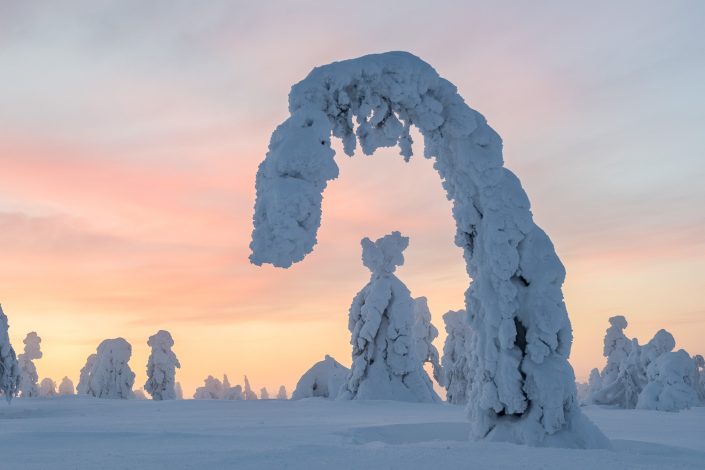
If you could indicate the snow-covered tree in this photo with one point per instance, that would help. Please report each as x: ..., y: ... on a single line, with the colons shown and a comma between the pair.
x: 82, y: 387
x: 212, y: 389
x: 248, y: 392
x: 161, y: 367
x: 47, y: 388
x: 324, y: 379
x: 671, y: 383
x: 524, y: 389
x: 594, y: 385
x: 66, y: 387
x: 699, y: 363
x: 281, y: 394
x: 111, y: 376
x: 9, y: 368
x: 29, y: 386
x: 385, y: 361
x: 425, y: 333
x: 616, y: 348
x: 139, y: 394
x: 456, y: 357
x: 233, y: 393
x: 263, y: 394
x: 178, y: 391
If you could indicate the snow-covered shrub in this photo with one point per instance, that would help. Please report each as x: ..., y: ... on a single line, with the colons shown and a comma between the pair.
x: 66, y: 387
x: 263, y: 394
x: 111, y: 376
x: 524, y: 389
x: 178, y: 391
x: 323, y: 379
x: 9, y: 368
x: 425, y: 333
x: 161, y: 367
x: 248, y: 392
x: 671, y: 384
x: 47, y: 388
x: 82, y: 387
x: 385, y: 360
x: 29, y: 386
x: 281, y: 394
x: 456, y: 357
x: 212, y: 389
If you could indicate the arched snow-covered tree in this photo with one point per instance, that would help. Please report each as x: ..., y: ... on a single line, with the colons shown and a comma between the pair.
x: 111, y: 376
x: 161, y: 367
x: 525, y: 389
x: 9, y: 368
x: 670, y: 386
x: 456, y: 357
x: 29, y: 379
x: 281, y: 394
x: 248, y: 392
x: 385, y: 359
x: 425, y: 333
x: 324, y: 379
x: 47, y: 388
x: 82, y: 387
x: 66, y: 387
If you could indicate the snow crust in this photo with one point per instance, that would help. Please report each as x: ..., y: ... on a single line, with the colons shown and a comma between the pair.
x: 324, y: 379
x: 111, y: 376
x: 29, y: 386
x: 456, y: 357
x: 9, y: 367
x: 161, y: 367
x: 515, y: 302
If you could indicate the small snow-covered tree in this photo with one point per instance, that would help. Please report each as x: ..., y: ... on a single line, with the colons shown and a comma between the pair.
x: 324, y: 379
x: 233, y: 393
x: 9, y: 368
x: 699, y: 363
x: 161, y: 367
x: 281, y: 394
x: 248, y: 392
x: 82, y: 387
x: 29, y: 386
x: 670, y: 386
x: 111, y: 376
x: 139, y: 394
x: 66, y: 387
x: 263, y: 394
x: 616, y: 348
x: 456, y: 357
x: 47, y: 388
x: 425, y: 333
x: 594, y: 385
x: 385, y: 358
x: 212, y: 389
x: 178, y: 391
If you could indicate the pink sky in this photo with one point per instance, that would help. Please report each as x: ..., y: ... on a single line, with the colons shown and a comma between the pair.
x: 130, y: 137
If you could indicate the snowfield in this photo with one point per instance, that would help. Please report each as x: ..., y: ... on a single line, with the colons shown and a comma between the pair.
x: 80, y: 432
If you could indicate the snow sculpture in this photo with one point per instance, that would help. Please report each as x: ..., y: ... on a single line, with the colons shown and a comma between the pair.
x: 82, y: 387
x: 29, y: 386
x: 425, y: 333
x: 178, y: 391
x: 9, y: 368
x: 281, y: 394
x: 248, y: 393
x: 324, y: 379
x: 386, y: 364
x: 456, y: 357
x: 161, y: 367
x: 525, y: 388
x: 111, y: 376
x: 47, y: 388
x: 66, y: 387
x: 263, y: 394
x: 671, y: 383
x: 212, y: 390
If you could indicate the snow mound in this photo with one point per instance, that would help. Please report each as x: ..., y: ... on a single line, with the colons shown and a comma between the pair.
x: 323, y: 379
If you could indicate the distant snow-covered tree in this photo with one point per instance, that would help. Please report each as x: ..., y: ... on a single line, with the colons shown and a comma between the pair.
x: 9, y: 368
x: 233, y: 393
x: 82, y: 387
x: 456, y: 357
x: 139, y: 394
x: 47, y: 388
x: 594, y: 385
x: 111, y: 376
x: 425, y: 333
x: 281, y: 394
x: 671, y: 383
x: 249, y: 394
x: 66, y: 387
x: 385, y: 358
x: 263, y: 394
x: 212, y: 389
x: 178, y: 391
x: 29, y: 379
x: 616, y: 348
x: 324, y: 379
x: 699, y: 363
x: 161, y: 367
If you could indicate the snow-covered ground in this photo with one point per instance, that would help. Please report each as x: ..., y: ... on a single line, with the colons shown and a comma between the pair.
x: 87, y: 433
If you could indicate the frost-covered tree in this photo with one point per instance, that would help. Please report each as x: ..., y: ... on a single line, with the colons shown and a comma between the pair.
x: 111, y: 376
x: 425, y: 333
x: 385, y: 359
x: 9, y: 368
x: 248, y: 392
x: 324, y: 379
x: 29, y: 379
x: 178, y: 391
x: 82, y: 387
x: 66, y: 387
x: 47, y: 388
x: 525, y: 388
x: 671, y: 383
x: 161, y: 367
x: 281, y: 394
x: 212, y: 389
x: 456, y: 357
x: 263, y: 394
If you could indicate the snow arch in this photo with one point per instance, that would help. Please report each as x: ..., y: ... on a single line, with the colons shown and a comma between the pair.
x: 524, y: 388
